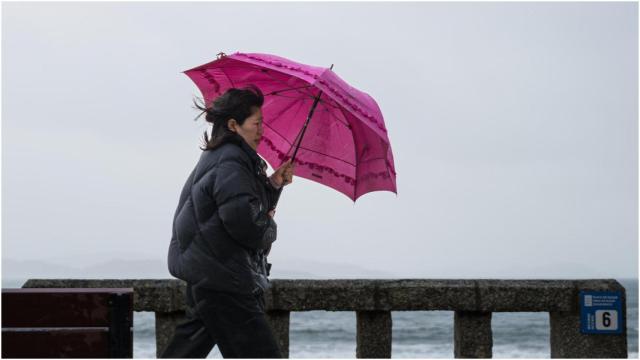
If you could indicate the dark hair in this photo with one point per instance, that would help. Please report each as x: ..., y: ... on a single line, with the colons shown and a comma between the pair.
x: 235, y: 104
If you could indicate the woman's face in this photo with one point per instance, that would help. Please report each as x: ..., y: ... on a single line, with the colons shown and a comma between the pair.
x: 251, y: 130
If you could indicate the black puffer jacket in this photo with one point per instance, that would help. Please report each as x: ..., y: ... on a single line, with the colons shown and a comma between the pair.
x: 221, y: 228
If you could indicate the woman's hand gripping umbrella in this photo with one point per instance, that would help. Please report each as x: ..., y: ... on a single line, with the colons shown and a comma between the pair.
x: 281, y: 177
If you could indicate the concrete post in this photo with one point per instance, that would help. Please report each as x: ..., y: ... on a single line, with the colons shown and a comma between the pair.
x: 279, y: 321
x: 565, y: 337
x: 373, y: 338
x: 568, y: 342
x: 165, y: 327
x: 472, y: 335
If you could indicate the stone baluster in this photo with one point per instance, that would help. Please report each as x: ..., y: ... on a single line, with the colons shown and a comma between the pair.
x: 165, y: 327
x: 373, y: 339
x: 279, y: 321
x: 472, y: 336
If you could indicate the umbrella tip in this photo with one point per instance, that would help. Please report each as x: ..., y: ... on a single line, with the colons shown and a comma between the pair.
x: 331, y: 68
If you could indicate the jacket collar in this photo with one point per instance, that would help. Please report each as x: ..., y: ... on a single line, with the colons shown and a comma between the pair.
x: 260, y: 165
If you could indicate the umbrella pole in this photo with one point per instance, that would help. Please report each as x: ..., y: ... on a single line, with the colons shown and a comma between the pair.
x: 304, y: 129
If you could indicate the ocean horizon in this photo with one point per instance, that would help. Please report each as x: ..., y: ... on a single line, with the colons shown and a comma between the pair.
x: 416, y: 334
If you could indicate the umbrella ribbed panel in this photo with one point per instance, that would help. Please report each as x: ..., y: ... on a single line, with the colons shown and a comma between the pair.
x: 283, y: 96
x: 301, y: 94
x: 280, y: 135
x: 327, y: 155
x: 300, y: 109
x: 275, y: 92
x: 342, y: 120
x: 270, y: 76
x: 228, y: 78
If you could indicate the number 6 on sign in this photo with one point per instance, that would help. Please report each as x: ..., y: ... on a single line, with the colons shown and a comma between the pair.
x: 606, y: 320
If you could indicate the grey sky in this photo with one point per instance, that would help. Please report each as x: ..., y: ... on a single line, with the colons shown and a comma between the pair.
x: 513, y: 126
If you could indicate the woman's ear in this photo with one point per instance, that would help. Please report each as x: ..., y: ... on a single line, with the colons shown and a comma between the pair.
x: 231, y: 124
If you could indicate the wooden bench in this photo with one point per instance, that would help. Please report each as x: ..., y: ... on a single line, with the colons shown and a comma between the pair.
x: 75, y: 323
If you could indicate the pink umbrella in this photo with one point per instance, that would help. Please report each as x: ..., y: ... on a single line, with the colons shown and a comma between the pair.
x: 334, y: 133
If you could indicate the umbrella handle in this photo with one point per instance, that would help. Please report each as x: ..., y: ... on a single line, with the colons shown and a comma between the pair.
x: 278, y: 197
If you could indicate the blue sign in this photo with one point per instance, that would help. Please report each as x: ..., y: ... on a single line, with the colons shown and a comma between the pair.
x: 601, y: 312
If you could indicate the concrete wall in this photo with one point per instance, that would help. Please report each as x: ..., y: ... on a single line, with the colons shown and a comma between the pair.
x: 473, y: 302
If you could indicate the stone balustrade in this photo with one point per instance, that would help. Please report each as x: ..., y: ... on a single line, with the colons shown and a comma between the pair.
x: 473, y: 302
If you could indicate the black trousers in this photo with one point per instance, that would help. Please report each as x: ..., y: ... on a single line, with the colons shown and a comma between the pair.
x: 236, y: 323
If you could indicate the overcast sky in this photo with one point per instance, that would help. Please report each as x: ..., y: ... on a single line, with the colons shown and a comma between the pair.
x: 514, y: 128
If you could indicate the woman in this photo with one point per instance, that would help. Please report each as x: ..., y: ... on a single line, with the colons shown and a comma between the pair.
x: 222, y: 232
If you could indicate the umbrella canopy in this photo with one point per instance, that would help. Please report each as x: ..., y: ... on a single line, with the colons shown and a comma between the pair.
x: 345, y: 145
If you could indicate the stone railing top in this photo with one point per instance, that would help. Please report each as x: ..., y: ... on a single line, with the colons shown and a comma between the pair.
x: 167, y: 295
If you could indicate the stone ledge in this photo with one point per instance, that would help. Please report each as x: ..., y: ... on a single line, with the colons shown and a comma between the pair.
x: 485, y: 295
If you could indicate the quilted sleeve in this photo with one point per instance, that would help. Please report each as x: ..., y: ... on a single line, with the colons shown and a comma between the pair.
x: 242, y: 213
x: 273, y: 193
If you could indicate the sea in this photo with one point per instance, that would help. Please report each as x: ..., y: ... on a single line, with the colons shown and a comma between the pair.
x: 416, y: 334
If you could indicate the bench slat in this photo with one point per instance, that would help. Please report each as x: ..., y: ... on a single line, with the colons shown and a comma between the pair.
x: 58, y: 307
x: 56, y: 343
